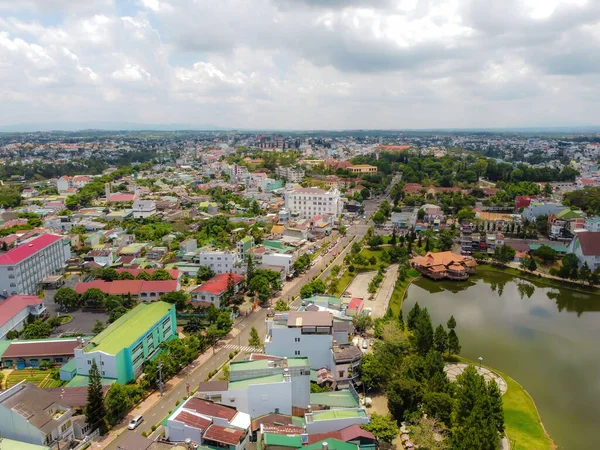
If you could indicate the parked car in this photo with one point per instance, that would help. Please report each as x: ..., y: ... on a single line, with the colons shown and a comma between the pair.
x: 135, y: 422
x: 365, y: 344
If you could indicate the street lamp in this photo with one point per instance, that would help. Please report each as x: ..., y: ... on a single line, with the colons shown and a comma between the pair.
x: 480, y: 360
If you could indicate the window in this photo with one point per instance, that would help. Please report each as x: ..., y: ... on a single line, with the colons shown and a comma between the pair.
x: 297, y: 339
x: 89, y: 361
x: 341, y: 374
x: 297, y: 352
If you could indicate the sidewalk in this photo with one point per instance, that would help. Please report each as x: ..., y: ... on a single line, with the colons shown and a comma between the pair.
x: 152, y: 399
x: 384, y: 293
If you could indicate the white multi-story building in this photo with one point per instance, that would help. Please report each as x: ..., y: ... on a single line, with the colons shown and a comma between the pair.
x: 24, y: 267
x: 220, y: 261
x: 279, y: 259
x: 307, y: 333
x: 65, y: 183
x: 15, y: 309
x: 311, y: 202
x: 592, y: 224
x: 143, y: 209
x: 290, y: 174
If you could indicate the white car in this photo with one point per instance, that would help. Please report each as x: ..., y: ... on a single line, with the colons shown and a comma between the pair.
x: 135, y: 422
x: 365, y: 344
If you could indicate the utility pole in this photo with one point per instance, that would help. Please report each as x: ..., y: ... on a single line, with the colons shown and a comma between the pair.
x: 160, y: 382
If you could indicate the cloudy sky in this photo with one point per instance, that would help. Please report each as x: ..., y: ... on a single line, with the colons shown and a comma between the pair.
x: 301, y: 64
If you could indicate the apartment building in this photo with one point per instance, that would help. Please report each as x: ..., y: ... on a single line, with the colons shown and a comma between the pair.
x: 25, y: 266
x: 243, y: 246
x: 220, y: 261
x: 290, y: 174
x: 311, y: 202
x: 279, y: 260
x: 121, y: 349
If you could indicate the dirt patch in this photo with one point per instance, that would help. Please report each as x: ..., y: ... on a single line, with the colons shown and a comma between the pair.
x: 379, y: 406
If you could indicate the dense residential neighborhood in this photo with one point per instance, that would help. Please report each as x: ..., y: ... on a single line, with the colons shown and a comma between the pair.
x: 253, y: 284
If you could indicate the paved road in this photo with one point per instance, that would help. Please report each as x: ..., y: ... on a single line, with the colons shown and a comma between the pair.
x: 196, y: 375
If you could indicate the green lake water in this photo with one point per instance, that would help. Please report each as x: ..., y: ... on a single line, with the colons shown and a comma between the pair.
x: 548, y: 339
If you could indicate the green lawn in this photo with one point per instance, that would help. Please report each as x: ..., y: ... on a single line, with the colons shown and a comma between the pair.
x: 35, y: 376
x: 399, y: 293
x: 367, y: 253
x: 344, y: 282
x: 522, y: 420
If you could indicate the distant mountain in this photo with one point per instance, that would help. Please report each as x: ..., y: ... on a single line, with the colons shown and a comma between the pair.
x: 110, y: 126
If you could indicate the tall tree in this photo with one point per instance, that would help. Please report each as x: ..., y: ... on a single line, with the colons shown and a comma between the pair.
x: 412, y: 316
x: 453, y: 343
x: 94, y: 409
x: 440, y: 339
x: 249, y: 269
x: 383, y: 427
x: 423, y: 333
x: 584, y: 273
x: 497, y: 409
x: 451, y: 324
x: 254, y: 340
x: 66, y: 297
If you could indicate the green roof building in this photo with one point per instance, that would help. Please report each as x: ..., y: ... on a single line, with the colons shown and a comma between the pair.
x: 121, y: 349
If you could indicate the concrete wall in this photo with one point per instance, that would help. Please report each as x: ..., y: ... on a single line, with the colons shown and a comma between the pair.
x: 327, y: 426
x: 279, y: 259
x: 291, y: 342
x: 14, y: 323
x: 179, y: 432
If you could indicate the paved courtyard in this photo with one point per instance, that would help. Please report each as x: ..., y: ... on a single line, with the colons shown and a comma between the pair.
x: 453, y: 370
x: 360, y: 285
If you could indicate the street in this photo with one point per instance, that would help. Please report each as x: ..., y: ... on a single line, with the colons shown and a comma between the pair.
x: 176, y: 390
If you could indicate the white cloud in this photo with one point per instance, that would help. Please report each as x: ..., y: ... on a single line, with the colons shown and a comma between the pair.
x: 302, y: 63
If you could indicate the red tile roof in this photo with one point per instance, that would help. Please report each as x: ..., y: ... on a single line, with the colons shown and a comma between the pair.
x: 590, y: 242
x: 355, y: 303
x: 41, y: 348
x: 28, y: 249
x: 135, y: 272
x: 123, y: 287
x: 224, y: 435
x: 12, y: 305
x: 210, y: 409
x: 122, y: 197
x: 218, y: 284
x: 192, y: 420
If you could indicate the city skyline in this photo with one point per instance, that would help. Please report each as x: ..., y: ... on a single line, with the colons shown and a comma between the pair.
x: 301, y: 64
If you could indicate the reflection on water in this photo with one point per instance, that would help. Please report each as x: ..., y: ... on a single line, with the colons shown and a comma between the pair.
x: 544, y: 337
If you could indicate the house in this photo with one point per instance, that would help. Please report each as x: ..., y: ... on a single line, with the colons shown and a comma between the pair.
x: 353, y: 434
x: 31, y: 353
x: 438, y: 266
x: 188, y: 246
x: 290, y: 174
x: 264, y: 386
x: 209, y: 424
x: 243, y: 246
x: 326, y: 421
x: 404, y: 220
x: 28, y: 414
x: 355, y: 307
x: 103, y: 256
x: 15, y: 310
x: 121, y: 349
x: 592, y: 223
x: 143, y: 209
x: 279, y: 259
x: 307, y: 333
x: 213, y: 290
x: 23, y: 267
x: 586, y: 245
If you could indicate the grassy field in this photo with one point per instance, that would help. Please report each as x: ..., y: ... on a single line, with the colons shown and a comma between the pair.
x: 397, y: 297
x: 522, y: 421
x: 42, y: 378
x: 344, y: 282
x: 367, y: 253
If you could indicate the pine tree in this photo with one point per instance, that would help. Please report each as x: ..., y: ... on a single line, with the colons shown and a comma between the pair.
x: 440, y: 339
x: 451, y: 323
x: 401, y: 320
x: 412, y: 316
x: 531, y: 264
x: 423, y: 333
x: 584, y: 272
x: 254, y: 340
x: 249, y: 270
x: 94, y: 410
x: 497, y: 410
x: 453, y: 343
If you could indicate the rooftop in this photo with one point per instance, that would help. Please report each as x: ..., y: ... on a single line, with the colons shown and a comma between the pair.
x: 46, y: 347
x: 334, y: 399
x: 332, y: 444
x: 281, y: 440
x: 333, y: 414
x: 24, y: 251
x: 309, y: 319
x: 126, y: 330
x: 16, y: 303
x: 224, y: 435
x: 268, y: 379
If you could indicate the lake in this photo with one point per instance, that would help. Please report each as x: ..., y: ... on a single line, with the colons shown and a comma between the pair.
x: 544, y: 337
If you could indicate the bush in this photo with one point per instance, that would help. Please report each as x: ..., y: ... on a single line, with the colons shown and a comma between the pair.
x: 177, y: 403
x: 231, y: 355
x: 153, y: 428
x: 144, y: 434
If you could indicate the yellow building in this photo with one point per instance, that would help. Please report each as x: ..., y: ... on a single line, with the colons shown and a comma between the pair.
x: 363, y: 168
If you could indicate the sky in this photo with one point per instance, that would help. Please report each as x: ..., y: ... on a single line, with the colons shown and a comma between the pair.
x: 302, y: 64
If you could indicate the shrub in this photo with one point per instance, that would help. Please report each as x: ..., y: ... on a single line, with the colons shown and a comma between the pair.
x: 144, y: 434
x: 231, y: 355
x: 177, y: 403
x: 153, y: 428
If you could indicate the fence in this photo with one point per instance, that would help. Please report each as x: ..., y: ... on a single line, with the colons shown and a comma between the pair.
x: 87, y: 440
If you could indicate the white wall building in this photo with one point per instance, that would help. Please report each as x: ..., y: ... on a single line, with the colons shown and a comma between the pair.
x: 143, y: 209
x: 29, y: 414
x: 220, y: 261
x: 15, y: 309
x: 308, y: 333
x: 586, y: 245
x: 310, y: 202
x: 290, y: 174
x: 23, y: 267
x: 592, y: 224
x: 279, y: 259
